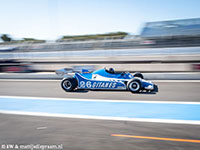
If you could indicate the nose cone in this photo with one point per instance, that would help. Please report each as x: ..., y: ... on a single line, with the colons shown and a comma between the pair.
x: 155, y: 88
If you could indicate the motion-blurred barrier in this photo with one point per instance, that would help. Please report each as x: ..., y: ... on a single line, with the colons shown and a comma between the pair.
x: 159, y: 63
x: 177, y: 63
x: 185, y: 59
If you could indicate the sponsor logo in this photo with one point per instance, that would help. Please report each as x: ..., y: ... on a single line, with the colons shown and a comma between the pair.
x: 99, y: 85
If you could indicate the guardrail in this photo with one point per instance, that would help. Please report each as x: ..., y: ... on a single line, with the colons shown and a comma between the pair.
x: 143, y: 60
x: 179, y: 63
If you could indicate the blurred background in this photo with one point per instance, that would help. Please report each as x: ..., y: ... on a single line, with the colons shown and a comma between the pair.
x: 160, y: 39
x: 145, y: 36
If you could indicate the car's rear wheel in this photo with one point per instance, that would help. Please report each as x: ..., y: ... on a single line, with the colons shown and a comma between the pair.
x: 134, y: 86
x: 69, y: 84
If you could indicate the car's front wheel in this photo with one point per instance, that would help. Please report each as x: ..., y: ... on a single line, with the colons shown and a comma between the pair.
x: 69, y: 84
x: 134, y: 86
x: 139, y: 75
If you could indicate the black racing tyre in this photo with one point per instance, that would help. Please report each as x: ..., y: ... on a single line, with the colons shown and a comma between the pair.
x: 69, y: 84
x: 134, y: 85
x: 139, y: 75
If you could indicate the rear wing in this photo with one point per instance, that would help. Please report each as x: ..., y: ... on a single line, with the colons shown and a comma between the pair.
x: 64, y: 72
x: 69, y: 71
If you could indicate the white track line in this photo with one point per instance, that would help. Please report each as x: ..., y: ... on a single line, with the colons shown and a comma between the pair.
x: 101, y: 100
x: 191, y: 122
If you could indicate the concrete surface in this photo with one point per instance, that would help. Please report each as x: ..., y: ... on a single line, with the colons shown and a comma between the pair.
x: 87, y: 134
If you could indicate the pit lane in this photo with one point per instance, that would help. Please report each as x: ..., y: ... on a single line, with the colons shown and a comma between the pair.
x: 168, y: 91
x: 96, y: 134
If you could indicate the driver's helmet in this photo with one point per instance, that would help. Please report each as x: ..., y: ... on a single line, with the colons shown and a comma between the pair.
x: 111, y: 70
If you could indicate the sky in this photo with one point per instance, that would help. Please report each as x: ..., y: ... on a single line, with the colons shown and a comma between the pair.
x: 51, y: 19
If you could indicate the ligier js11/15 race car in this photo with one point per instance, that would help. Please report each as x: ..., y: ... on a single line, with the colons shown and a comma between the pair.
x: 104, y: 79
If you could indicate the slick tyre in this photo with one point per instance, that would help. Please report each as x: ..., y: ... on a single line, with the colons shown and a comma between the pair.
x: 69, y: 84
x: 139, y: 75
x: 134, y: 86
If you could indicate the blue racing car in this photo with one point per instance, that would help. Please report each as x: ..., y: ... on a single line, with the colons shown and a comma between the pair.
x: 104, y: 79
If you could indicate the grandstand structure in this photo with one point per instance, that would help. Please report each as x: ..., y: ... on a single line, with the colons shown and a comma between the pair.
x: 185, y: 32
x: 174, y: 33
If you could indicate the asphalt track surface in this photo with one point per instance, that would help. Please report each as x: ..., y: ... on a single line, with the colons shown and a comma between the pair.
x: 168, y: 91
x: 86, y: 134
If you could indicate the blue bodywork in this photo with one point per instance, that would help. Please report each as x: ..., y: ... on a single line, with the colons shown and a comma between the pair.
x: 102, y: 79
